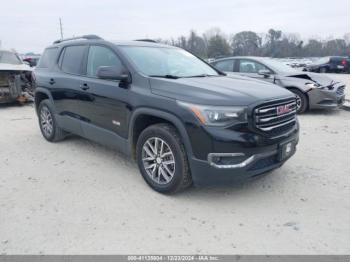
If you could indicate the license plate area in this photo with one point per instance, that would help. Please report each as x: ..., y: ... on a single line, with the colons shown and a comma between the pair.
x: 286, y: 150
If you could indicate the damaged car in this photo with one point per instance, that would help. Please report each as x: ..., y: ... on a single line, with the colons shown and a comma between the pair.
x: 313, y: 91
x: 16, y: 83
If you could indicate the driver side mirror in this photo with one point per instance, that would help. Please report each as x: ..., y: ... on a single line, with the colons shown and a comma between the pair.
x: 112, y: 73
x: 265, y: 73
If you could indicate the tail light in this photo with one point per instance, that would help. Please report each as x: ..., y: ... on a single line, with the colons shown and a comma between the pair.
x: 343, y: 62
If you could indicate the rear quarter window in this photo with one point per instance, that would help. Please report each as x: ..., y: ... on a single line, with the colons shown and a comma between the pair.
x: 48, y: 58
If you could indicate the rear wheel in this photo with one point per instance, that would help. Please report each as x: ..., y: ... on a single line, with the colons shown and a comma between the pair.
x: 48, y: 124
x: 162, y: 159
x: 302, y: 101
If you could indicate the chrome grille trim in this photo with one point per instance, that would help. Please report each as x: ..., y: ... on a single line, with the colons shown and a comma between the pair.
x: 340, y: 90
x: 267, y: 119
x: 273, y: 127
x: 264, y: 120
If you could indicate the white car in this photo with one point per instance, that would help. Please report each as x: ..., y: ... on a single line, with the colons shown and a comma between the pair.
x: 16, y: 82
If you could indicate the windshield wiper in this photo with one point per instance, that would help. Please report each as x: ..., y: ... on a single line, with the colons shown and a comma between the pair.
x: 201, y: 75
x: 166, y: 76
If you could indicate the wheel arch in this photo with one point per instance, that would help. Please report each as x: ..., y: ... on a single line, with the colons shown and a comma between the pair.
x: 305, y: 92
x: 41, y: 94
x: 145, y: 117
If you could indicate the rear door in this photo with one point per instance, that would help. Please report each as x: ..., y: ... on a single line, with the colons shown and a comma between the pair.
x: 69, y: 94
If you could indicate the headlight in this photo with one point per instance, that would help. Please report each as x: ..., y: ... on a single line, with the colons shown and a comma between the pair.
x: 312, y: 85
x: 217, y: 115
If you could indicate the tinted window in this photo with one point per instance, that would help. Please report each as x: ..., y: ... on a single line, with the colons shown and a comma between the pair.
x: 249, y: 66
x: 226, y: 65
x: 101, y: 56
x: 73, y: 59
x: 48, y: 57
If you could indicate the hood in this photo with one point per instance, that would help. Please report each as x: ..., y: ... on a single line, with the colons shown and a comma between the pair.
x: 12, y: 67
x: 306, y: 77
x: 219, y: 90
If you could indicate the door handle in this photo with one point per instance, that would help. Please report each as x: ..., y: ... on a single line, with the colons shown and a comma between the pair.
x: 52, y: 81
x: 84, y: 86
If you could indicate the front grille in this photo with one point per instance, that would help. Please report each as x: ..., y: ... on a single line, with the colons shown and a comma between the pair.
x: 340, y: 91
x: 276, y: 117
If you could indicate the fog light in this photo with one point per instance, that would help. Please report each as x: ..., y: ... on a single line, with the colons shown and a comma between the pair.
x: 229, y: 160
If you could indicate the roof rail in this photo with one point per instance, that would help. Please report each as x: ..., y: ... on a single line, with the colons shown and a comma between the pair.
x: 146, y: 40
x: 87, y: 37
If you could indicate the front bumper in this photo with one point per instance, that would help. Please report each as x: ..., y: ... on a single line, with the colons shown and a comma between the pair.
x: 325, y: 98
x: 253, y: 162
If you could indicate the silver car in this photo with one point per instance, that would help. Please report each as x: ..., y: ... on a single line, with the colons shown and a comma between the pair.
x: 312, y: 90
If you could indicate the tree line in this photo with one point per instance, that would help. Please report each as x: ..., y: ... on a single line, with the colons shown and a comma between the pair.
x: 275, y: 43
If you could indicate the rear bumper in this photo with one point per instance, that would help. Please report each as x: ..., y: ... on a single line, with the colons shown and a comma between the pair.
x: 256, y: 161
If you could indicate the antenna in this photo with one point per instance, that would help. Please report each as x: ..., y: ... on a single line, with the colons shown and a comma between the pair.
x: 61, y: 28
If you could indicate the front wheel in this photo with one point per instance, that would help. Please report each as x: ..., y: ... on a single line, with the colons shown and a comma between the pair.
x: 162, y: 159
x: 302, y: 101
x: 323, y: 70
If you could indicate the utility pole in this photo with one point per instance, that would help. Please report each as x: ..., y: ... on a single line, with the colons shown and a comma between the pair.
x: 61, y: 29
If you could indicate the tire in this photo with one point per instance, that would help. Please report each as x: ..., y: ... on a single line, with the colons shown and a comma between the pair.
x: 159, y: 172
x: 323, y: 70
x: 302, y: 101
x: 48, y: 124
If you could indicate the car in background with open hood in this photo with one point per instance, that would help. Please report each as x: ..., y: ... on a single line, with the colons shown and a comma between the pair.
x: 313, y: 91
x: 15, y: 78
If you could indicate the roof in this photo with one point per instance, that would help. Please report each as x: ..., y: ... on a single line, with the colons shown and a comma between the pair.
x: 259, y: 58
x: 117, y: 43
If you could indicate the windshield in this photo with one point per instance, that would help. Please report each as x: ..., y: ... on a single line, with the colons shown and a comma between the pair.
x: 279, y: 66
x: 160, y: 61
x: 9, y: 58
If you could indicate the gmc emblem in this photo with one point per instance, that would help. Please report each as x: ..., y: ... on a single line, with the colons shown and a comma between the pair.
x: 281, y: 110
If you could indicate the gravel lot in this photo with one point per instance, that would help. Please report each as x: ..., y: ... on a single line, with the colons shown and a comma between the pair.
x: 76, y: 197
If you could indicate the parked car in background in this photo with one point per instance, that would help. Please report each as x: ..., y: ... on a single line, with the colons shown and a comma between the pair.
x: 181, y: 119
x: 312, y: 90
x: 15, y: 78
x: 32, y: 60
x: 329, y: 64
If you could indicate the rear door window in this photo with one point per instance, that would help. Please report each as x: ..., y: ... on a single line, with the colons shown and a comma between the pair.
x: 225, y: 65
x: 73, y: 58
x: 48, y: 58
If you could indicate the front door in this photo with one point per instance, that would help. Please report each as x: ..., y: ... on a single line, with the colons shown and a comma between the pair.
x: 251, y: 68
x: 109, y: 110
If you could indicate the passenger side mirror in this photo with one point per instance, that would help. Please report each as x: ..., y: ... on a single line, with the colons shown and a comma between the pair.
x: 265, y: 73
x: 112, y: 73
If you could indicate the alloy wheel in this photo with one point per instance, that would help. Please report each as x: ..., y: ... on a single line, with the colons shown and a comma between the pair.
x: 46, y: 121
x: 158, y: 160
x: 299, y: 101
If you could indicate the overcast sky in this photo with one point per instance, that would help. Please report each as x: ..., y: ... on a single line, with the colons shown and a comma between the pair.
x: 32, y: 25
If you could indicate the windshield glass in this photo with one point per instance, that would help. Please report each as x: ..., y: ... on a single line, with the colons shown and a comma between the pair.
x: 9, y: 58
x: 279, y: 66
x: 159, y: 61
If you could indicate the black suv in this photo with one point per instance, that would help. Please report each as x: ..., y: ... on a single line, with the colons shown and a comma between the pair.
x: 181, y: 119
